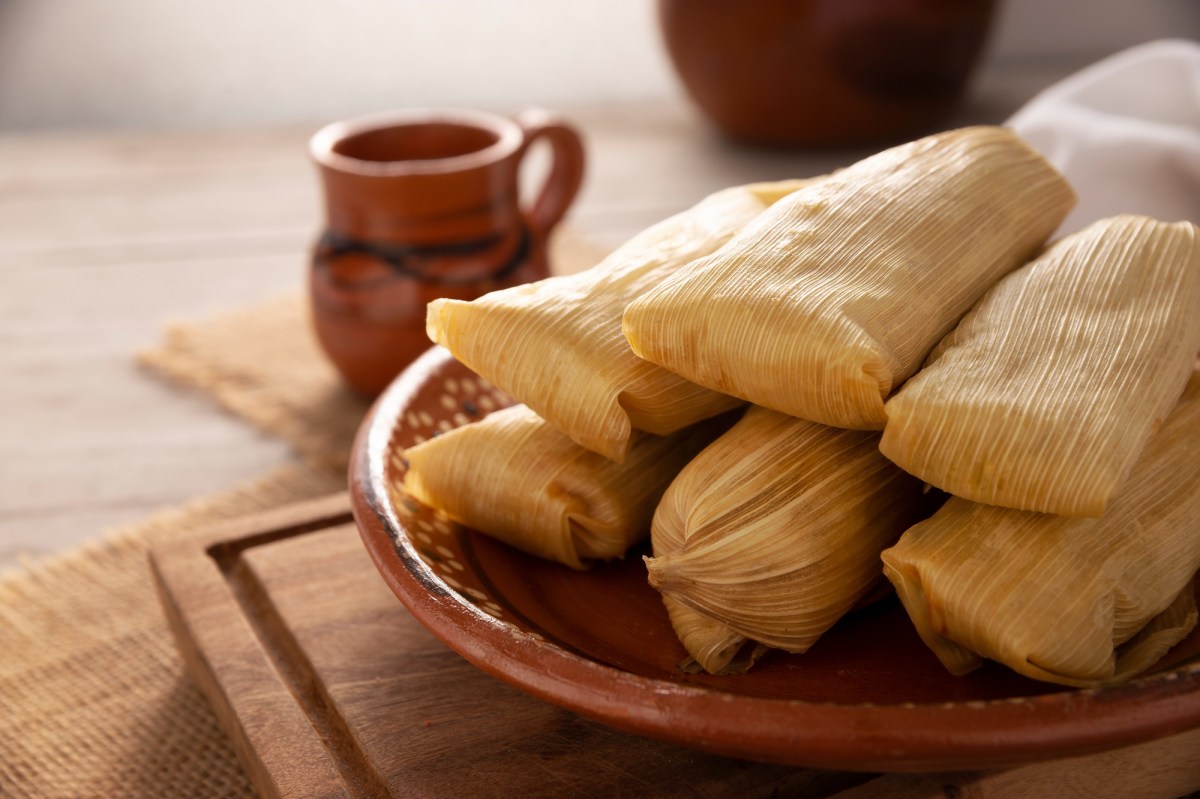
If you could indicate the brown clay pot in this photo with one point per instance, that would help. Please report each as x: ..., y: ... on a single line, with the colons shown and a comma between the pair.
x: 824, y: 72
x: 424, y: 204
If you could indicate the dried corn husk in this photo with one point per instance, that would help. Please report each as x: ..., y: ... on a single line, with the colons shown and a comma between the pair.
x: 774, y: 531
x: 1045, y: 394
x: 556, y: 345
x: 831, y: 298
x: 713, y: 646
x: 1067, y: 600
x: 519, y: 479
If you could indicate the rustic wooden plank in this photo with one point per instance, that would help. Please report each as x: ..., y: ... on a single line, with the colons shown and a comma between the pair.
x: 73, y: 190
x: 88, y: 442
x: 69, y: 159
x: 88, y: 439
x: 127, y: 304
x: 168, y: 252
x: 32, y: 224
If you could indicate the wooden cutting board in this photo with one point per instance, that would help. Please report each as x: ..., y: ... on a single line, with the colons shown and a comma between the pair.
x: 329, y: 688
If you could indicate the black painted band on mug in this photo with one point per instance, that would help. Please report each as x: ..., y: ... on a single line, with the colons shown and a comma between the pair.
x: 400, y: 258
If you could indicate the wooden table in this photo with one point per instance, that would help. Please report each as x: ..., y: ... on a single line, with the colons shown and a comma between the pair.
x: 106, y: 238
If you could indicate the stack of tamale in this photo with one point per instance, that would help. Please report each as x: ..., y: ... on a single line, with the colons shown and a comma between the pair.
x: 1057, y: 401
x: 818, y: 309
x: 913, y: 294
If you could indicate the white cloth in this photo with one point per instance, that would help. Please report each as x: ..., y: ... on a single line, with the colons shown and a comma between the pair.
x: 1126, y: 133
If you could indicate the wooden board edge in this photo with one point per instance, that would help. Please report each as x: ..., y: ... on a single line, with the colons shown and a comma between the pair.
x: 257, y: 528
x: 205, y: 618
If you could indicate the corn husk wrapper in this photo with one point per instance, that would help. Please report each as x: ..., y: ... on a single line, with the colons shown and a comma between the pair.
x: 774, y: 531
x: 1074, y: 601
x: 835, y: 295
x: 517, y: 478
x: 556, y: 345
x: 1045, y: 394
x: 710, y: 642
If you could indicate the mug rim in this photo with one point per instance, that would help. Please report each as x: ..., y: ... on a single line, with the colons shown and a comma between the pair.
x: 508, y: 140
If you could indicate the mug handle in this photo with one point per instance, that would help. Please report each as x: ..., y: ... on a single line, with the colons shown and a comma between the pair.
x: 566, y: 170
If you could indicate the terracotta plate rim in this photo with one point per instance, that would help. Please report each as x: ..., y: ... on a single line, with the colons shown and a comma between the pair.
x: 854, y: 736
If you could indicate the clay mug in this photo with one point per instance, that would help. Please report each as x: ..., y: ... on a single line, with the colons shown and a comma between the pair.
x: 423, y: 204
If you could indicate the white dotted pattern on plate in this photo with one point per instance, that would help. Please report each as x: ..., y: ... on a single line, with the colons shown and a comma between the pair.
x: 437, y: 539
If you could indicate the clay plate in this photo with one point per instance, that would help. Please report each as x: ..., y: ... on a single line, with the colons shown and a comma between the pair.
x: 867, y: 696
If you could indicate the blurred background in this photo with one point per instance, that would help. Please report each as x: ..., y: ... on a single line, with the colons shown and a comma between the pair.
x: 154, y: 65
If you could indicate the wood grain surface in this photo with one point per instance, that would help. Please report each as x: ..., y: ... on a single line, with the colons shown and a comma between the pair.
x: 330, y: 689
x: 105, y: 238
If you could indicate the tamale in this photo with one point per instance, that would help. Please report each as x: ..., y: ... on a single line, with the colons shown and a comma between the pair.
x: 832, y: 297
x: 1067, y: 600
x: 1045, y: 394
x: 517, y: 478
x: 774, y: 531
x: 556, y: 345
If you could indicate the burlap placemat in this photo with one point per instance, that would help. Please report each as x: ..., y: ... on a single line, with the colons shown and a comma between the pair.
x: 262, y: 363
x: 94, y: 701
x: 93, y: 698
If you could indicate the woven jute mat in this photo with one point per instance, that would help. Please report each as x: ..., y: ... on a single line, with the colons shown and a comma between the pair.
x: 94, y: 701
